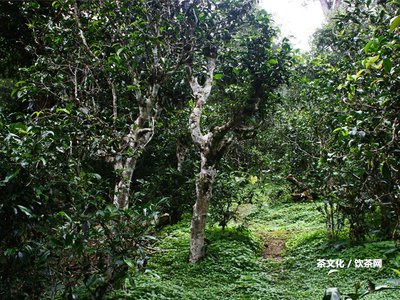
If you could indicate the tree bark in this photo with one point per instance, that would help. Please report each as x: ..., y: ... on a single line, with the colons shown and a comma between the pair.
x: 326, y: 6
x: 123, y: 182
x: 207, y: 165
x: 200, y: 209
x: 124, y: 167
x: 330, y: 5
x: 136, y: 140
x: 181, y: 150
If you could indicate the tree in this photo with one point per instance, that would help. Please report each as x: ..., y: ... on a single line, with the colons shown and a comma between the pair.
x: 127, y: 47
x: 330, y: 5
x: 241, y: 40
x: 341, y: 119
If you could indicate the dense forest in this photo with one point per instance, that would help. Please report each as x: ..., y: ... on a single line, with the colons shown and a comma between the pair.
x: 185, y: 149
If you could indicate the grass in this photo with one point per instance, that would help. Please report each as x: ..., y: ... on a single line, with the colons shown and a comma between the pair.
x: 235, y: 267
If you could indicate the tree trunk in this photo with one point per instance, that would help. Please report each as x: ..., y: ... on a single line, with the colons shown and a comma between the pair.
x: 136, y: 141
x: 200, y: 209
x: 207, y: 165
x: 181, y: 150
x: 337, y: 4
x: 326, y: 6
x: 122, y: 185
x: 330, y: 5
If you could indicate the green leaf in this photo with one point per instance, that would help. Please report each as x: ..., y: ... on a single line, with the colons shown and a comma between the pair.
x: 119, y: 51
x: 387, y: 65
x: 359, y: 73
x: 396, y: 271
x: 37, y: 114
x: 11, y: 176
x: 65, y: 215
x: 253, y: 179
x: 97, y: 176
x: 368, y: 46
x: 130, y: 263
x: 394, y: 23
x: 273, y: 61
x: 56, y: 4
x: 64, y: 110
x: 218, y: 76
x: 131, y: 88
x: 18, y: 127
x: 371, y: 60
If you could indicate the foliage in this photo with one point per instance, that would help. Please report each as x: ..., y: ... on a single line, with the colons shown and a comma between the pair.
x: 159, y: 180
x: 231, y: 258
x: 82, y: 84
x: 337, y: 130
x: 234, y: 268
x: 61, y: 236
x: 230, y: 191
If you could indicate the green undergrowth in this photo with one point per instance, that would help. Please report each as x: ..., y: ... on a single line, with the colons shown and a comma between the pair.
x: 232, y: 269
x: 235, y: 268
x: 286, y: 216
x: 303, y: 278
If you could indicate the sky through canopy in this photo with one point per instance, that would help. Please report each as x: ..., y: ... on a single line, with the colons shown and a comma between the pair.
x: 295, y: 19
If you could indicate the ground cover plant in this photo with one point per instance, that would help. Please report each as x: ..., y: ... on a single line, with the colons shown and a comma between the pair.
x: 240, y: 265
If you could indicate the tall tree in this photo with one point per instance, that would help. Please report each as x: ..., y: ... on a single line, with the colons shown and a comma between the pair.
x: 107, y: 60
x: 241, y: 85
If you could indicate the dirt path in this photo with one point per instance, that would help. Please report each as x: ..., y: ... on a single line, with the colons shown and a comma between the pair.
x: 273, y: 246
x: 273, y: 241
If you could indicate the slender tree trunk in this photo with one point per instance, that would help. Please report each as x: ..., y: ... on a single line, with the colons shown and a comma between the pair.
x: 337, y: 4
x: 207, y: 167
x: 330, y: 5
x: 181, y: 150
x: 326, y: 6
x: 122, y: 186
x: 136, y: 140
x: 200, y: 209
x: 146, y: 96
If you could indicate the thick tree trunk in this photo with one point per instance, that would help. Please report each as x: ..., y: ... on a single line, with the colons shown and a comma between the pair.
x: 200, y: 209
x: 122, y: 185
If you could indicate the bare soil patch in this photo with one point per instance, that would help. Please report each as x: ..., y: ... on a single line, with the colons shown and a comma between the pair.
x: 273, y: 247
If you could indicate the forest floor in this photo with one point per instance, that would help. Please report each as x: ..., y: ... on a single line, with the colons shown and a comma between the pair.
x: 273, y: 255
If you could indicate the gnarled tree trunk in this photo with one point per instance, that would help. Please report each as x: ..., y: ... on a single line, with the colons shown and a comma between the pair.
x: 207, y: 169
x: 125, y: 155
x: 211, y: 146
